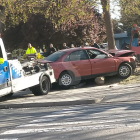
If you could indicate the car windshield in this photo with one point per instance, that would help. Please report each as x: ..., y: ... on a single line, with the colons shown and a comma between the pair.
x: 55, y: 56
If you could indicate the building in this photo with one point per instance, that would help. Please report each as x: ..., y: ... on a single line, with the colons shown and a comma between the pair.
x: 122, y: 39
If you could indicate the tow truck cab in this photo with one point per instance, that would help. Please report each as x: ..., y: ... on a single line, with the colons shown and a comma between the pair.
x: 5, y: 81
x: 12, y: 78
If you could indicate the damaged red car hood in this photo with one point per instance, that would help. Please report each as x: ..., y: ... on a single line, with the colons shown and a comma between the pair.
x: 121, y: 53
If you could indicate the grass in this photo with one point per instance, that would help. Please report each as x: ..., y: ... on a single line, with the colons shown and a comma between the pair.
x: 134, y: 78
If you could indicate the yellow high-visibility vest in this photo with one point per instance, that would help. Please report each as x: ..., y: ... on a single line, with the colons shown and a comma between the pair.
x: 1, y: 61
x: 31, y: 51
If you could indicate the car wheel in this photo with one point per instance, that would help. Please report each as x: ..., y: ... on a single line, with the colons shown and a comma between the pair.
x: 43, y: 88
x: 124, y: 71
x: 66, y: 80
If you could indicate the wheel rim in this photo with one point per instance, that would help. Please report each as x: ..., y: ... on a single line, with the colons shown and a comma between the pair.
x: 124, y: 71
x: 45, y: 85
x: 66, y: 79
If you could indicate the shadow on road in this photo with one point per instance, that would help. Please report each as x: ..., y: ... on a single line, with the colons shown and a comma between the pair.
x: 55, y: 87
x: 89, y: 83
x: 17, y: 96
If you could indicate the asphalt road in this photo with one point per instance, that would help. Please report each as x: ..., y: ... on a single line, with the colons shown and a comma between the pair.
x: 90, y: 122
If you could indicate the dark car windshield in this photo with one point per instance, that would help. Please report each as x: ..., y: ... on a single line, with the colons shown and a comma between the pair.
x: 55, y: 56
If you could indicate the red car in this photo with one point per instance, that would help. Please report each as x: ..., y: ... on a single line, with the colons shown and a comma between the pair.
x: 74, y: 64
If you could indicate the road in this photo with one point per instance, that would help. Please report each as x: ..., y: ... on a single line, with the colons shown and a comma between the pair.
x: 86, y: 122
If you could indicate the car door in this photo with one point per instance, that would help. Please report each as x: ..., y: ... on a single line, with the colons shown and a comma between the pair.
x: 79, y: 63
x: 100, y: 62
x: 4, y: 75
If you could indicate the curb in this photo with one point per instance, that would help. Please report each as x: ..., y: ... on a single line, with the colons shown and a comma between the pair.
x: 51, y: 104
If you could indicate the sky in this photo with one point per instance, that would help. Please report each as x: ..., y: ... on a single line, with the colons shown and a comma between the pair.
x: 114, y: 9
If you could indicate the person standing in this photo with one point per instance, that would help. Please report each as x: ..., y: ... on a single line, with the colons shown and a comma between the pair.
x: 65, y: 46
x: 95, y: 45
x: 82, y: 46
x: 1, y: 60
x: 86, y: 44
x: 101, y: 46
x: 45, y: 54
x: 31, y: 50
x: 52, y: 49
x: 72, y: 46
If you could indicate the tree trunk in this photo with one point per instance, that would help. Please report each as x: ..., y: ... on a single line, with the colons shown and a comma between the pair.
x: 108, y: 23
x: 1, y: 27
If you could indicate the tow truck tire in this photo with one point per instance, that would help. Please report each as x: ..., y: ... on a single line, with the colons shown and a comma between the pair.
x: 9, y: 95
x: 43, y: 88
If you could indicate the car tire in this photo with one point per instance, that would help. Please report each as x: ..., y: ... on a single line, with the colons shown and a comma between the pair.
x: 9, y: 95
x: 124, y: 71
x: 43, y: 88
x: 66, y: 79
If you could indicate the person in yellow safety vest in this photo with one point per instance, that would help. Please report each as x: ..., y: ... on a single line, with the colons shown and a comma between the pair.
x: 1, y: 61
x: 30, y: 50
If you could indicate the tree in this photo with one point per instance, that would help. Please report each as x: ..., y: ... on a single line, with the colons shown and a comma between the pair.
x: 73, y: 21
x: 41, y: 31
x: 59, y: 12
x: 108, y: 23
x: 130, y: 12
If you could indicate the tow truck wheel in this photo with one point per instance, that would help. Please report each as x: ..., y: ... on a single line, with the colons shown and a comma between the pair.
x: 43, y: 88
x: 9, y: 95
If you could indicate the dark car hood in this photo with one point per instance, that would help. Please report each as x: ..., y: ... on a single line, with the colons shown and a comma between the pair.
x: 121, y: 53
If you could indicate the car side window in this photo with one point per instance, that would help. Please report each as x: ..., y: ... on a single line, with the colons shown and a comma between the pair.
x: 76, y: 56
x: 67, y: 58
x: 95, y: 54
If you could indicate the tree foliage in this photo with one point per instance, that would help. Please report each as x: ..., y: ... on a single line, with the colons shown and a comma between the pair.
x: 130, y: 12
x: 59, y: 12
x: 49, y: 21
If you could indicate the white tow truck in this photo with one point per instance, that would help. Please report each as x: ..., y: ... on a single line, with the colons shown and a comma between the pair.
x: 13, y: 77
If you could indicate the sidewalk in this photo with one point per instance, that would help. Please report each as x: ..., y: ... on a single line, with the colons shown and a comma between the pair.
x: 87, y: 95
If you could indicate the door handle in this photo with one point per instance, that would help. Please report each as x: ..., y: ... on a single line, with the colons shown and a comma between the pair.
x: 5, y: 69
